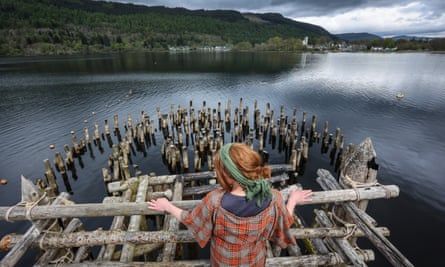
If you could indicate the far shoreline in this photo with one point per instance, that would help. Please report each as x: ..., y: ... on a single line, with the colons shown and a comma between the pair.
x: 113, y: 53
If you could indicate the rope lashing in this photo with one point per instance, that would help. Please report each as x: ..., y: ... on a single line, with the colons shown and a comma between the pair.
x: 345, y: 179
x: 27, y: 205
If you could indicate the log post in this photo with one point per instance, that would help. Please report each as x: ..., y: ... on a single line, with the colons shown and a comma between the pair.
x: 117, y: 224
x: 116, y: 122
x: 50, y: 178
x: 359, y: 167
x: 135, y: 220
x: 172, y: 225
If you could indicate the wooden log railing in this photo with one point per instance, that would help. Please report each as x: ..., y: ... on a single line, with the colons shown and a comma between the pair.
x: 116, y: 237
x: 129, y: 209
x: 196, y: 190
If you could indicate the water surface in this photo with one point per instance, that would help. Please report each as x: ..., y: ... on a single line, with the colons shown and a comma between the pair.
x: 43, y: 99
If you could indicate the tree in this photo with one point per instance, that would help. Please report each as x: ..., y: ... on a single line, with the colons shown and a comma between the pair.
x: 243, y: 46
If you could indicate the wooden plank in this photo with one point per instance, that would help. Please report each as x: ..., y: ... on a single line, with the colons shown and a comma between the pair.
x: 195, y: 190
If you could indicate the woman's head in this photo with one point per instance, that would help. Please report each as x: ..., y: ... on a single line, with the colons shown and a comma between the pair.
x: 248, y: 162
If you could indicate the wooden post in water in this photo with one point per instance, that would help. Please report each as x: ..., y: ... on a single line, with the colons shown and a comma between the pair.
x: 116, y: 122
x: 359, y: 168
x: 50, y: 179
x: 69, y: 156
x: 59, y: 162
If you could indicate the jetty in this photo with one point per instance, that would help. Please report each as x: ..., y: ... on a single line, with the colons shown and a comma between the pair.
x: 189, y: 139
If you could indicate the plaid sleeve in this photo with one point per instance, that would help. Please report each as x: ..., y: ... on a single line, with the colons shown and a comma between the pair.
x: 283, y: 222
x: 199, y: 219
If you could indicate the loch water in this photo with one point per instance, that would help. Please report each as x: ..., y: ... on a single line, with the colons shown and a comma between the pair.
x: 43, y: 98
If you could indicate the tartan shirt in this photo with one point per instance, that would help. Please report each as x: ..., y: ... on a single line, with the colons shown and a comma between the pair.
x: 238, y: 241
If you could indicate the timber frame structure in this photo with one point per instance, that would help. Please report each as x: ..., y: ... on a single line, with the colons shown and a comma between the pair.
x: 139, y: 236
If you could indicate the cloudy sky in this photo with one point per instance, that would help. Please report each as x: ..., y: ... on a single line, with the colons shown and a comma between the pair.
x: 384, y: 17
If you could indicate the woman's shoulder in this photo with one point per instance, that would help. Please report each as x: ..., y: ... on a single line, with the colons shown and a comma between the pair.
x: 276, y: 194
x: 214, y: 197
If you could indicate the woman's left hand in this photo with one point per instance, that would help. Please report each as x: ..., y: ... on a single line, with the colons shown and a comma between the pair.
x: 160, y: 204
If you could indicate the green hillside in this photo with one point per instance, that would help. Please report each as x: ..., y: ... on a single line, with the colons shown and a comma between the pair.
x: 85, y: 26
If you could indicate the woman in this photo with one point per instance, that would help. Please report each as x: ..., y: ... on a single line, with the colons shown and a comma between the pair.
x: 240, y: 217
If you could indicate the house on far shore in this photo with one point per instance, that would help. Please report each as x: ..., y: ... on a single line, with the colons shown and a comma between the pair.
x: 382, y: 49
x: 217, y: 48
x: 178, y: 49
x: 377, y: 49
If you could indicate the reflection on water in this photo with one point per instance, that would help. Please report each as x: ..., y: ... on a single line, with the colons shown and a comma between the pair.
x: 43, y: 99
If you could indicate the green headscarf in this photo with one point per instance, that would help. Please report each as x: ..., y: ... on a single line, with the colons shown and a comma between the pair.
x: 255, y: 189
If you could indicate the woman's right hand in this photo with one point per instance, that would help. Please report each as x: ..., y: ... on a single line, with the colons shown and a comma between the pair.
x: 297, y: 197
x: 160, y: 204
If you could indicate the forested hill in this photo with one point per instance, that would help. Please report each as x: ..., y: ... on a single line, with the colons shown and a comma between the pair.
x: 83, y: 26
x: 362, y: 36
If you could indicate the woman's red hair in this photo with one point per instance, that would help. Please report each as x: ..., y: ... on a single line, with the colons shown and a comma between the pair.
x: 247, y: 160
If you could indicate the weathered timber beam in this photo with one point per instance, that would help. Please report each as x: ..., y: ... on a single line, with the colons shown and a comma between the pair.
x: 117, y: 224
x: 129, y: 209
x: 135, y: 221
x: 172, y: 225
x: 306, y: 260
x: 195, y: 190
x: 49, y: 254
x: 116, y: 237
x: 140, y: 250
x: 169, y: 179
x: 391, y: 253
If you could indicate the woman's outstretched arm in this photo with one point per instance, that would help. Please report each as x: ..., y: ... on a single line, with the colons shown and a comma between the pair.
x: 297, y: 197
x: 198, y: 220
x: 162, y: 204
